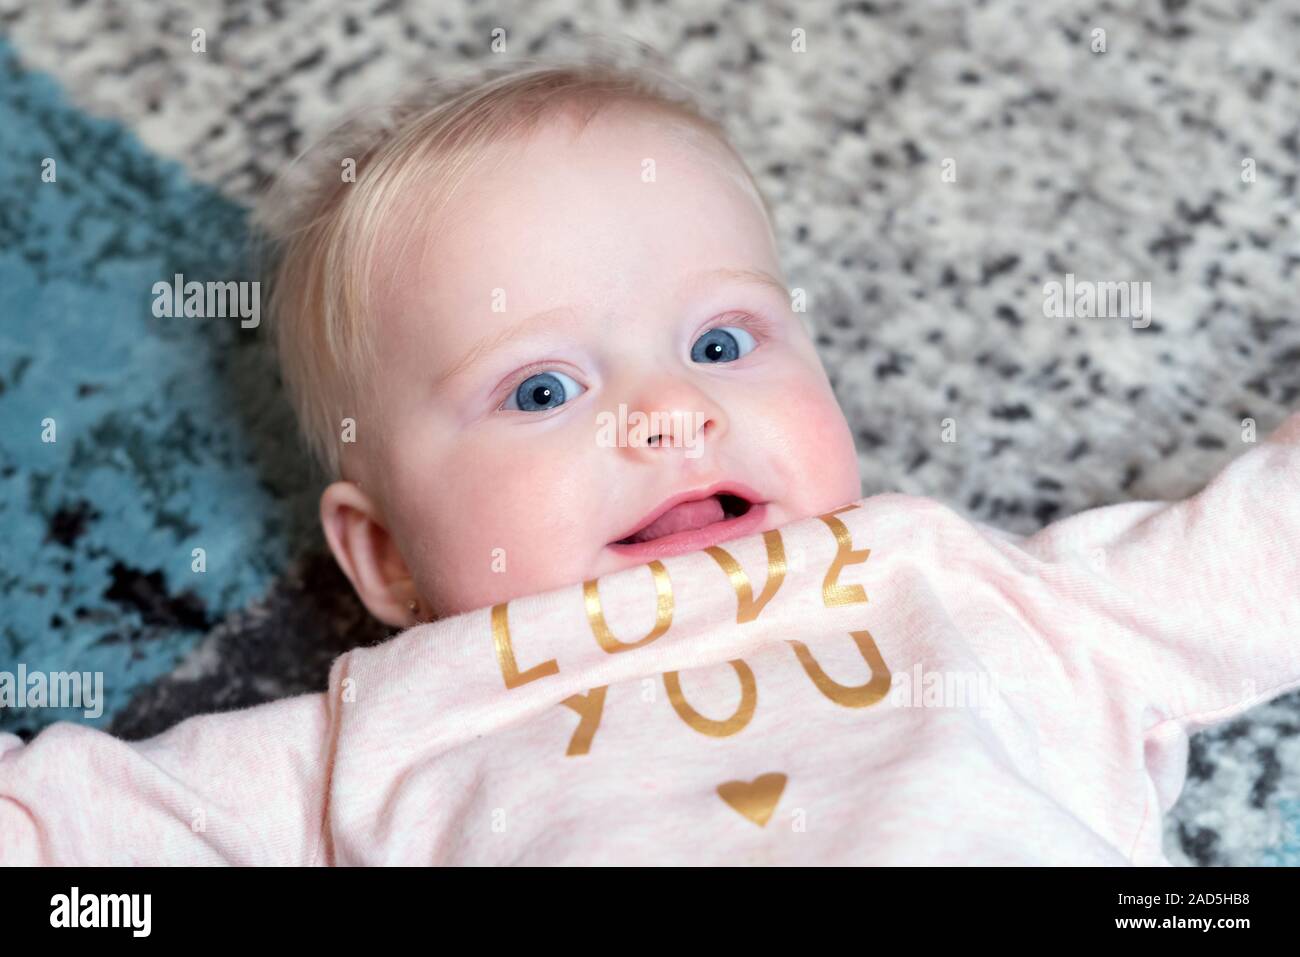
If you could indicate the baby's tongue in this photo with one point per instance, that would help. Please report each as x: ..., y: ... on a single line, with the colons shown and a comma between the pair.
x: 680, y: 518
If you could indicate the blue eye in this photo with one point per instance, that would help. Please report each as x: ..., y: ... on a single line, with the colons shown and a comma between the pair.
x: 722, y: 344
x: 545, y: 390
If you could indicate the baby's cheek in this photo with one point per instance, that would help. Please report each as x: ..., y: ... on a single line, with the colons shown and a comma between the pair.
x: 515, y: 527
x: 812, y: 447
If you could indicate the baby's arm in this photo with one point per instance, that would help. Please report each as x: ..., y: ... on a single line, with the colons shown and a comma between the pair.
x: 1204, y: 593
x: 242, y: 787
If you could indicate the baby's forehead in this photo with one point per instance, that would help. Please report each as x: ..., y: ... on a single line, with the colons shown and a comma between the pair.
x: 630, y: 140
x: 531, y: 199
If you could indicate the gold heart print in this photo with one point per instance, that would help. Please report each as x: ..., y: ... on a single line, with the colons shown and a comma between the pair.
x: 755, y: 799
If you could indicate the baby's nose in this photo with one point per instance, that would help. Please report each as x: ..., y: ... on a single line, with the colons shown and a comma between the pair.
x: 668, y: 415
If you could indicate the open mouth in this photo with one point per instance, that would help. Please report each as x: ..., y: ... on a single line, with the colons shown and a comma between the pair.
x: 690, y: 516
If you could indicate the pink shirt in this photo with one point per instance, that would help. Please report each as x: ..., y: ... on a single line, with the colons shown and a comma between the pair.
x: 885, y: 684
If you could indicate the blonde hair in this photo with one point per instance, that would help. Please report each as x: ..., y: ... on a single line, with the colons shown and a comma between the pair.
x: 319, y: 232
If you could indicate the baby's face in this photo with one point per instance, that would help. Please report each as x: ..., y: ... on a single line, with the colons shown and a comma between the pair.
x: 623, y: 276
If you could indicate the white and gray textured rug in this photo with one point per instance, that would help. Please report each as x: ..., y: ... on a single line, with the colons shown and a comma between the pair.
x: 926, y: 293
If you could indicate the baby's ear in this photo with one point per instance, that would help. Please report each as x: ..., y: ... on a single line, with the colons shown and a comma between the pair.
x: 367, y: 553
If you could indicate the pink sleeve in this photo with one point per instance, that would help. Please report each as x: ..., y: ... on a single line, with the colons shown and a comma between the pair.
x: 241, y: 787
x: 1193, y: 607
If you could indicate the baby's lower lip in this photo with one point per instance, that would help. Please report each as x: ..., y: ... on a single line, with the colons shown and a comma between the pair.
x: 697, y: 538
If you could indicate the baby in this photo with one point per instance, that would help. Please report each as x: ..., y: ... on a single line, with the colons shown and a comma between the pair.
x: 515, y: 269
x: 584, y: 454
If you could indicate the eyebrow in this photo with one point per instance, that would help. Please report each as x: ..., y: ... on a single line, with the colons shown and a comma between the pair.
x: 481, y: 349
